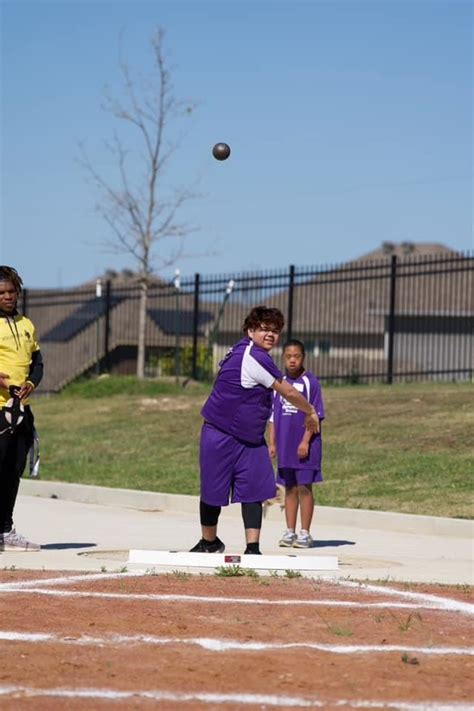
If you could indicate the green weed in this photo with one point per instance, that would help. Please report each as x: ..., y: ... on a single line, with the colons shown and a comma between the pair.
x: 340, y: 631
x: 235, y: 571
x: 406, y: 625
x: 406, y: 659
x: 179, y: 575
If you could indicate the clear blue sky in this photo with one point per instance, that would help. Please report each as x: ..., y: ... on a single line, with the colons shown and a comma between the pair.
x: 350, y: 123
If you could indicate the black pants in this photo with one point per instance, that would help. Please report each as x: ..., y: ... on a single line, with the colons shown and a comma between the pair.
x: 14, y: 448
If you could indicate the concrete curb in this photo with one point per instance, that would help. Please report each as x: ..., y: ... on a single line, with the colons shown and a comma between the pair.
x: 326, y: 515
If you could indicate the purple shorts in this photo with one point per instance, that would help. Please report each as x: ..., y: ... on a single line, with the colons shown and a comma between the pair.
x: 234, y: 469
x: 298, y: 477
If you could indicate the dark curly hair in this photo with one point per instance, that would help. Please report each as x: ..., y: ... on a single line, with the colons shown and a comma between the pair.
x: 264, y: 315
x: 10, y: 274
x: 296, y: 343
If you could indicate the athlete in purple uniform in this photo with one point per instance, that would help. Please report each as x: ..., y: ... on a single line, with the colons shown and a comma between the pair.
x: 234, y: 461
x: 298, y: 449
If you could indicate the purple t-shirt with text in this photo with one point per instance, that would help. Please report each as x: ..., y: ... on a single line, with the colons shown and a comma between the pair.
x: 289, y: 424
x: 241, y: 400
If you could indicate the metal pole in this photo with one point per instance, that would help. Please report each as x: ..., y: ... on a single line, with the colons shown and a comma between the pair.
x: 215, y: 331
x: 228, y: 292
x: 391, y: 318
x: 107, y: 326
x: 194, y: 370
x: 177, y: 285
x: 98, y: 293
x: 291, y: 287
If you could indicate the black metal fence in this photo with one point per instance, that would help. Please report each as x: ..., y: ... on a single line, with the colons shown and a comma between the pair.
x: 395, y: 319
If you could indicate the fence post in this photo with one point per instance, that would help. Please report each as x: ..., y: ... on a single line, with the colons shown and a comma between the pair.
x: 194, y: 369
x: 24, y: 302
x: 107, y: 326
x: 391, y: 318
x: 177, y: 326
x: 291, y: 286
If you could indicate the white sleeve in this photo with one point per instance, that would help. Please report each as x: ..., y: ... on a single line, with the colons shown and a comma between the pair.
x: 253, y: 373
x: 272, y: 416
x: 308, y: 387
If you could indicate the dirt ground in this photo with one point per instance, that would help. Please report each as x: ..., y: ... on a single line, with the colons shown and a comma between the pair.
x: 205, y: 642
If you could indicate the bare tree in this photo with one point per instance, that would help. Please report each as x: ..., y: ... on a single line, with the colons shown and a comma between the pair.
x: 142, y: 212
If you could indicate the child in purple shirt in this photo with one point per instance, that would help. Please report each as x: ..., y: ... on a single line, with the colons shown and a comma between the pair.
x: 234, y: 461
x: 298, y: 450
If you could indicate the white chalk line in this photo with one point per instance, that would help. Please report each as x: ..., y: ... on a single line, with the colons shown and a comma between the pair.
x: 225, y: 645
x: 213, y: 698
x: 447, y: 603
x: 426, y: 600
x: 157, y: 597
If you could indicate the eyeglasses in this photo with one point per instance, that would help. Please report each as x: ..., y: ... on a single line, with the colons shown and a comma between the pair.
x: 269, y: 329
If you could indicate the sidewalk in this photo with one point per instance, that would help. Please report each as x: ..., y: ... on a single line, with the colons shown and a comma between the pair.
x: 93, y: 528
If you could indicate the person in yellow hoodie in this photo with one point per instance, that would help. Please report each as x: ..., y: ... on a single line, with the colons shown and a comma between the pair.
x: 21, y: 370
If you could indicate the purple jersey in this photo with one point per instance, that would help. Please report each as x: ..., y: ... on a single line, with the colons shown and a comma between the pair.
x: 289, y: 424
x: 241, y: 400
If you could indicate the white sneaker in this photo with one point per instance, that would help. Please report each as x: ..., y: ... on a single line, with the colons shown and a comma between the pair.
x: 303, y: 540
x: 13, y: 541
x: 287, y: 539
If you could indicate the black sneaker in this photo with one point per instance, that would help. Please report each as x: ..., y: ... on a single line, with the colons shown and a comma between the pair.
x: 249, y: 551
x: 204, y: 546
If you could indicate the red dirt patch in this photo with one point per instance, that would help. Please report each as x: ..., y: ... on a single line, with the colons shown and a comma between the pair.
x: 179, y: 666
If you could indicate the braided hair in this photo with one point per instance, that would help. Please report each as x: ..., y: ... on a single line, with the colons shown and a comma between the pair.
x: 11, y: 274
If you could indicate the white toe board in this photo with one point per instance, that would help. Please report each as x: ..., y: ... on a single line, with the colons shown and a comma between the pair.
x: 179, y: 559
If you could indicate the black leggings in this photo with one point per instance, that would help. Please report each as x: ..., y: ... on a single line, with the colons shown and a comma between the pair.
x: 251, y: 514
x: 14, y: 448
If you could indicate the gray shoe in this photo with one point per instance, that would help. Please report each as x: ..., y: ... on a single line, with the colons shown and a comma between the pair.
x: 13, y: 541
x: 303, y: 540
x: 287, y: 539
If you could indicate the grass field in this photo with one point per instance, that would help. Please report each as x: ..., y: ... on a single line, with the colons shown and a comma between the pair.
x: 399, y: 448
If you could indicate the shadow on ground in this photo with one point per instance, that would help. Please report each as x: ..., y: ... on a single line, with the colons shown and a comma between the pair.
x: 333, y: 544
x: 66, y: 546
